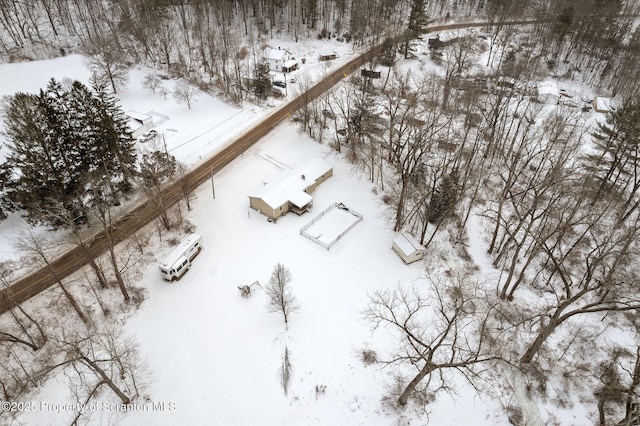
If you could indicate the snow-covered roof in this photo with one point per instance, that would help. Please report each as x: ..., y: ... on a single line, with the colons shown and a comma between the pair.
x: 290, y: 184
x: 407, y: 244
x: 289, y: 63
x: 601, y: 104
x: 275, y: 54
x: 134, y: 124
x: 139, y: 116
x: 548, y: 88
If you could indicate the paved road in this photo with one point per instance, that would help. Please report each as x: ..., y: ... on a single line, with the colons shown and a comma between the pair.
x: 38, y: 281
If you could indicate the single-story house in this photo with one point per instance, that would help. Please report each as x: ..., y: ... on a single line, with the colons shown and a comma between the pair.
x: 290, y: 190
x: 280, y: 60
x: 548, y: 92
x: 139, y: 122
x: 601, y: 104
x: 407, y: 247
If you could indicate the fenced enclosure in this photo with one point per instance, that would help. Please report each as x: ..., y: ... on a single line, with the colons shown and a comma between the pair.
x: 331, y: 225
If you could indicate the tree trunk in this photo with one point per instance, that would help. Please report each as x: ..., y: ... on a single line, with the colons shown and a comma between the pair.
x: 426, y: 370
x: 124, y: 398
x: 542, y: 336
x: 73, y: 302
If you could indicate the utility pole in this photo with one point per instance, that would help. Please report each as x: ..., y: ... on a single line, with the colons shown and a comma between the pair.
x: 165, y: 145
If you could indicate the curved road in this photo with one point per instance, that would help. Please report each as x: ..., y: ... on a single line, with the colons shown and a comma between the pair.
x: 38, y: 281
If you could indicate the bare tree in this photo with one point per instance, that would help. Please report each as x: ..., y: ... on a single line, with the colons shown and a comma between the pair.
x: 279, y: 295
x: 108, y: 62
x: 100, y: 358
x: 105, y: 216
x: 185, y: 93
x: 29, y: 332
x: 152, y: 82
x: 619, y: 377
x: 602, y: 281
x: 156, y: 169
x: 445, y: 332
x: 39, y: 250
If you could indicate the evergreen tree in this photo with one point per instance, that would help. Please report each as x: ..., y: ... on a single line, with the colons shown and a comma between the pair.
x: 113, y: 145
x: 416, y: 25
x: 66, y: 147
x: 616, y: 144
x: 261, y: 81
x: 444, y: 198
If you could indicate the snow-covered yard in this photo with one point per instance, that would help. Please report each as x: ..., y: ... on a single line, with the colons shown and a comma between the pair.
x: 216, y: 355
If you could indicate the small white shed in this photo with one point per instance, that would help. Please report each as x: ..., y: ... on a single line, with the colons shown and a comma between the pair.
x: 139, y: 122
x: 548, y: 92
x: 407, y: 247
x: 602, y: 105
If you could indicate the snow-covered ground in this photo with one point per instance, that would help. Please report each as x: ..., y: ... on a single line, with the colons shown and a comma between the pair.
x: 189, y: 134
x: 213, y: 355
x: 216, y: 355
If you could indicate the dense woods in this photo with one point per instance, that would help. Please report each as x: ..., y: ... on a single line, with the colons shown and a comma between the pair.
x: 559, y: 197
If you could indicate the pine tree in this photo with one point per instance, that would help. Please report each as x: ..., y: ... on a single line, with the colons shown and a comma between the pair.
x: 444, y: 199
x: 416, y: 25
x: 261, y: 81
x: 616, y: 143
x: 113, y: 144
x: 66, y: 147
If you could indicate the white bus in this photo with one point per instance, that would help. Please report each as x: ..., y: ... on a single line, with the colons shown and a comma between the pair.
x: 179, y: 260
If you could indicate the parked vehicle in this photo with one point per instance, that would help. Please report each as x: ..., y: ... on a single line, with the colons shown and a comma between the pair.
x: 179, y: 260
x: 280, y: 83
x: 147, y: 136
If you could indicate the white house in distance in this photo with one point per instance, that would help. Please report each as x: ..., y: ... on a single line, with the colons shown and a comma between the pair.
x: 139, y: 122
x: 548, y: 92
x: 290, y: 190
x: 407, y: 247
x: 280, y: 60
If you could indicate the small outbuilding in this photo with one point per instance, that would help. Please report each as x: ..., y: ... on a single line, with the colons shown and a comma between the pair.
x: 290, y: 190
x: 139, y: 122
x: 548, y: 93
x: 407, y: 247
x: 602, y: 105
x: 328, y: 56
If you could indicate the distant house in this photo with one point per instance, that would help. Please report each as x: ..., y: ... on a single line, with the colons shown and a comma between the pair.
x: 280, y: 60
x: 328, y: 56
x: 139, y: 122
x: 548, y: 93
x: 602, y: 105
x: 407, y: 247
x: 290, y: 190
